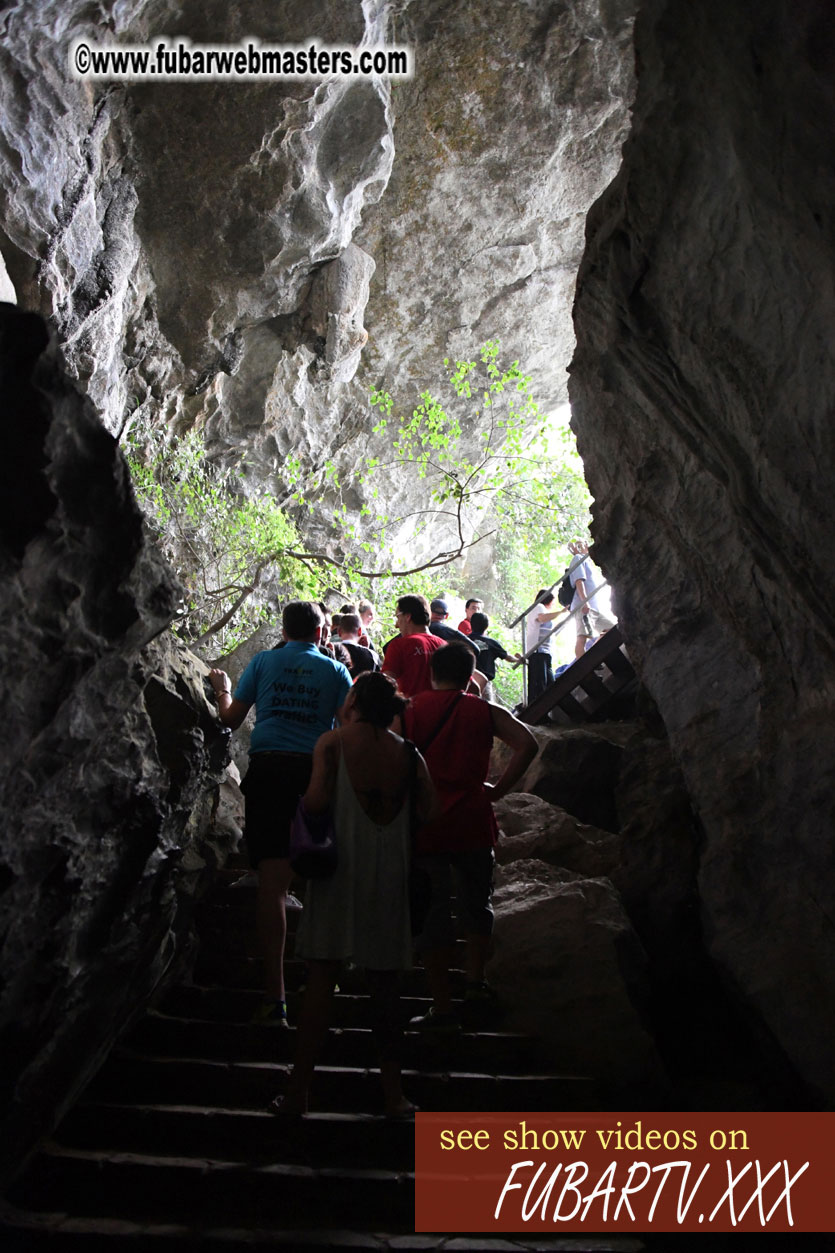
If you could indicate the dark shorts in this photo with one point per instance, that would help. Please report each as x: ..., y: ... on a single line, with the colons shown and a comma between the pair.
x: 272, y: 786
x: 471, y: 873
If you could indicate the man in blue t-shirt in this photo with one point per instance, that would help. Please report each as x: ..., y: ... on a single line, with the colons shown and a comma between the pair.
x: 296, y: 691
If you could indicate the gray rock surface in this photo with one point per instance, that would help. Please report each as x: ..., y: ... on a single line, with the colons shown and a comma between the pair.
x: 703, y: 391
x: 192, y: 242
x: 532, y: 828
x: 211, y: 256
x: 161, y: 224
x: 503, y: 139
x: 110, y: 747
x: 569, y: 969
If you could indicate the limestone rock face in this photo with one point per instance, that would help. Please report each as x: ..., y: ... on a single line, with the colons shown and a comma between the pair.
x: 569, y: 968
x: 110, y: 746
x: 161, y: 224
x: 193, y: 242
x: 648, y: 854
x: 531, y: 828
x: 703, y: 398
x: 509, y: 129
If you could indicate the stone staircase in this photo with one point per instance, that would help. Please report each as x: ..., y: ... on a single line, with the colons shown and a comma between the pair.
x: 170, y: 1147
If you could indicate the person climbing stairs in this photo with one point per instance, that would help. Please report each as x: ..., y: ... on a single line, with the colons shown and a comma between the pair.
x: 171, y: 1146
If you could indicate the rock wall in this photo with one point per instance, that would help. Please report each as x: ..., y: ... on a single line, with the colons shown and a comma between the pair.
x: 192, y: 242
x: 703, y: 390
x: 173, y: 230
x: 191, y: 246
x: 509, y: 130
x: 110, y: 747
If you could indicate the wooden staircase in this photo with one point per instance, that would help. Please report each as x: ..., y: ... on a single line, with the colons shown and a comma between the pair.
x: 170, y: 1147
x: 586, y: 690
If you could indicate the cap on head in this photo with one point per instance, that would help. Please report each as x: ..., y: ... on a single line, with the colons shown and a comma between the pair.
x: 440, y: 606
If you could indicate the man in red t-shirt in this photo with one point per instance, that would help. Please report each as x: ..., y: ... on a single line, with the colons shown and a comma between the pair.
x: 471, y: 607
x: 454, y: 732
x: 407, y: 656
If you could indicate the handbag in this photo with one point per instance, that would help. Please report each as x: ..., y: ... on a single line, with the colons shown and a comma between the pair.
x: 313, y: 852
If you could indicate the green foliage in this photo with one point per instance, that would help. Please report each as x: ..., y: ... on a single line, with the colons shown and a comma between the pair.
x: 232, y: 554
x: 516, y: 477
x: 488, y: 462
x: 485, y: 455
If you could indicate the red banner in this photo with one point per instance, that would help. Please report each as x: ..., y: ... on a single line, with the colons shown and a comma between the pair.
x: 625, y: 1172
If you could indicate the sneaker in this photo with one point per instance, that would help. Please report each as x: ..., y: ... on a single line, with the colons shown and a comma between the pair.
x: 271, y: 1013
x: 433, y: 1023
x: 248, y: 880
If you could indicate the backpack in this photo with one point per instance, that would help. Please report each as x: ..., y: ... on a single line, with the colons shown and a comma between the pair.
x: 565, y: 593
x: 362, y: 657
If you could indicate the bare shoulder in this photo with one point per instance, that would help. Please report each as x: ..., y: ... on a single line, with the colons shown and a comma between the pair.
x: 327, y: 744
x: 507, y: 727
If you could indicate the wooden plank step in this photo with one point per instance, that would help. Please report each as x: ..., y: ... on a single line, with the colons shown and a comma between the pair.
x: 537, y: 710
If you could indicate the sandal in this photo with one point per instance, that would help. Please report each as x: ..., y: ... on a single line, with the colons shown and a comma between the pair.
x: 285, y: 1111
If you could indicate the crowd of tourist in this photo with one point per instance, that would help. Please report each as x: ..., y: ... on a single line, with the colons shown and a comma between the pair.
x: 392, y: 748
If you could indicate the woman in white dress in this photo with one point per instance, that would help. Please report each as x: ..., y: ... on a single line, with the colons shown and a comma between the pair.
x: 376, y: 785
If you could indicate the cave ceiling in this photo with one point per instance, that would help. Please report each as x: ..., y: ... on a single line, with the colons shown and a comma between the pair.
x: 251, y: 258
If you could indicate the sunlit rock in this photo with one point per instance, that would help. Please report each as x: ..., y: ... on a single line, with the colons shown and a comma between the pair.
x: 532, y: 828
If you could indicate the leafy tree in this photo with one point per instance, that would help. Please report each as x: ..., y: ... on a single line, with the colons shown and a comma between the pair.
x: 489, y: 457
x: 484, y: 458
x: 236, y: 558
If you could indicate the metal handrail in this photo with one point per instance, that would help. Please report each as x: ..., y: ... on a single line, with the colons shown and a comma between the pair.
x: 578, y: 561
x: 559, y: 625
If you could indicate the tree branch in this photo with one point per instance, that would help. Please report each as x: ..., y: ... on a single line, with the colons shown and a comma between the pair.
x: 440, y: 559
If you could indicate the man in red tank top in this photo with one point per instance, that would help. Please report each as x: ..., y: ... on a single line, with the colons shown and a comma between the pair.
x: 454, y: 732
x: 407, y: 656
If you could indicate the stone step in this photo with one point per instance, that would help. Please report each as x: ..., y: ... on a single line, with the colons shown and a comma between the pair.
x: 234, y: 910
x: 232, y: 967
x: 32, y: 1232
x: 244, y: 1135
x: 171, y: 1148
x: 220, y: 1004
x: 159, y: 1034
x: 231, y: 913
x: 95, y: 1183
x: 251, y: 1085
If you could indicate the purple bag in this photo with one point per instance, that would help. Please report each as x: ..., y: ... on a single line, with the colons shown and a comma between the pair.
x: 312, y: 844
